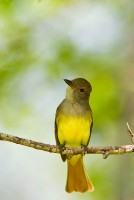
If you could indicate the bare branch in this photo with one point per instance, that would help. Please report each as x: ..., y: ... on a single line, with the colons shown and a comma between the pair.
x: 106, y: 151
x: 29, y: 143
x: 130, y: 133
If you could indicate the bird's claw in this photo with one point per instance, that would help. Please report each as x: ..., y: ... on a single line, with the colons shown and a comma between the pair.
x: 84, y: 148
x: 62, y: 148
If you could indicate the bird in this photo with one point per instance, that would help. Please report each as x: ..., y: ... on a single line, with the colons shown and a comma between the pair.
x: 73, y: 127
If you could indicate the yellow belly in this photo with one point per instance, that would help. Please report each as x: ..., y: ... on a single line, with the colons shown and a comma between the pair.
x: 74, y: 131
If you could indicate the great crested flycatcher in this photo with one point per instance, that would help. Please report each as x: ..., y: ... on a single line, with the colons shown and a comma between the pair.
x: 73, y: 126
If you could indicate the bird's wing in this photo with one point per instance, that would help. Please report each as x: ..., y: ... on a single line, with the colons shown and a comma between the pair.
x: 56, y: 134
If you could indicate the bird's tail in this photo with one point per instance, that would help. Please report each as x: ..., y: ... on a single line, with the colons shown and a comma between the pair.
x: 77, y: 179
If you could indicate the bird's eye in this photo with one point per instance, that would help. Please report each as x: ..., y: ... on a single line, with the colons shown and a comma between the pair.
x: 81, y: 90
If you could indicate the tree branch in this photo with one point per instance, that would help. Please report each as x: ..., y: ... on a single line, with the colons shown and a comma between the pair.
x: 130, y: 133
x: 106, y: 151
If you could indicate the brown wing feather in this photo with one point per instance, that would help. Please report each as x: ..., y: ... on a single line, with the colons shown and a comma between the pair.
x: 90, y: 127
x: 90, y: 133
x: 56, y: 135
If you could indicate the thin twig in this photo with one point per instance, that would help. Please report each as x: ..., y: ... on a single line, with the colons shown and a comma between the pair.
x: 130, y: 133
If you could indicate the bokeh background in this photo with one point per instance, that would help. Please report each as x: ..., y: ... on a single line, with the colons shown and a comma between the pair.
x: 41, y: 43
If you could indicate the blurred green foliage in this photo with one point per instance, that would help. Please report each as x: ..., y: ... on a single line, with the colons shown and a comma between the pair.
x: 37, y: 52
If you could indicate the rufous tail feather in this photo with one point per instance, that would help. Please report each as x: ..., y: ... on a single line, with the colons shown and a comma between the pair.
x: 77, y: 179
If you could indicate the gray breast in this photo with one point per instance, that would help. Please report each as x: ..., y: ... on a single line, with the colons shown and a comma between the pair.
x: 68, y: 108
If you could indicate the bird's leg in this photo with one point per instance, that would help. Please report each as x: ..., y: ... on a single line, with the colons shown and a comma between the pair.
x: 84, y: 148
x: 62, y: 148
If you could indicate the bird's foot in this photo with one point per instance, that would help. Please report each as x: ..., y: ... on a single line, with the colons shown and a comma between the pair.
x: 84, y: 148
x: 62, y: 148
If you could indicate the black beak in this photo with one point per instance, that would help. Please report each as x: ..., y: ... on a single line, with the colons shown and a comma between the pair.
x: 70, y: 83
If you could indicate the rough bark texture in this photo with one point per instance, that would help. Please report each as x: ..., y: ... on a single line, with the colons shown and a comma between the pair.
x: 106, y: 150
